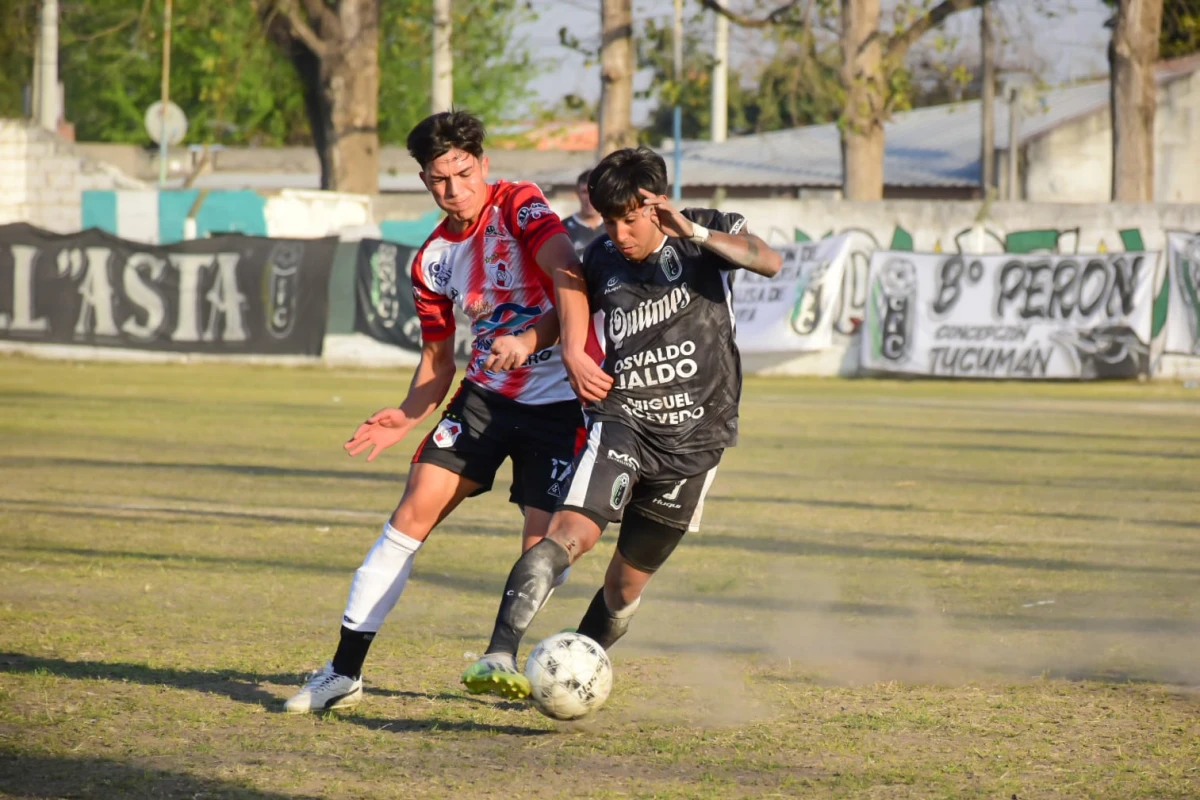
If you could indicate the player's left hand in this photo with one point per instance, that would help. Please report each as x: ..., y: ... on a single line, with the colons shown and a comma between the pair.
x: 666, y: 217
x: 508, y: 352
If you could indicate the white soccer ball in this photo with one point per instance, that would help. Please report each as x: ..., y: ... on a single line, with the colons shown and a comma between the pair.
x: 570, y: 675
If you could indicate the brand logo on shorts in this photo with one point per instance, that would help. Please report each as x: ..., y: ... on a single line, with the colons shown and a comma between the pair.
x: 624, y: 460
x: 669, y: 499
x: 447, y: 433
x: 671, y: 265
x: 620, y: 488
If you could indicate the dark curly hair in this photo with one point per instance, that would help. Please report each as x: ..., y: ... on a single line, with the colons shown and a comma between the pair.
x: 438, y: 134
x: 614, y: 182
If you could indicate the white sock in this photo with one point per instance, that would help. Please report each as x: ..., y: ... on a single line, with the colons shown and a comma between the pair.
x: 627, y: 611
x: 380, y: 580
x: 561, y: 579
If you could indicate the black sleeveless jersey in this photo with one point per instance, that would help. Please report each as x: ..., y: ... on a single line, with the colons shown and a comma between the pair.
x: 669, y: 339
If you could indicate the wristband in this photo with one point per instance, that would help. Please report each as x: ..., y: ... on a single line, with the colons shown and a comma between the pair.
x: 699, y: 234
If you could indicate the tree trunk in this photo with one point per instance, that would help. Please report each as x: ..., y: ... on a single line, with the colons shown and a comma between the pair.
x: 862, y: 122
x: 616, y: 76
x: 1132, y: 53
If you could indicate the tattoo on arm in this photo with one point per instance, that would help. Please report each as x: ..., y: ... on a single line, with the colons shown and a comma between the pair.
x: 750, y: 257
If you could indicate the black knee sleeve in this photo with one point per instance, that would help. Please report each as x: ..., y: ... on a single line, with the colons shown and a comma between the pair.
x: 646, y: 543
x: 528, y: 586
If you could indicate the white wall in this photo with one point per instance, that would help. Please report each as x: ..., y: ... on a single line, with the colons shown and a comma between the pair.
x: 42, y: 178
x: 1073, y: 163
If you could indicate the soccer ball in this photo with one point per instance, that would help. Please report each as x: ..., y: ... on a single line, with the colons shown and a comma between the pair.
x: 570, y: 676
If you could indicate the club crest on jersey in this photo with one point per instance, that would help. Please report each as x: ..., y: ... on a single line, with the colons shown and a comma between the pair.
x: 531, y: 212
x: 447, y: 433
x: 619, y: 488
x: 499, y: 274
x: 671, y: 265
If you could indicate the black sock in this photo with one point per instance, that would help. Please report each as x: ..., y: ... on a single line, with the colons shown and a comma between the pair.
x: 352, y: 652
x: 599, y: 624
x: 528, y: 586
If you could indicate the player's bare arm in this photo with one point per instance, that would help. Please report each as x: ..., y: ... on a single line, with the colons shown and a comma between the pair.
x: 744, y: 249
x: 557, y: 257
x: 514, y: 350
x: 431, y: 381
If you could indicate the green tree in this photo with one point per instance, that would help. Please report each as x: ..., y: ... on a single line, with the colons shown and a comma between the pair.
x: 235, y: 85
x: 492, y: 69
x: 18, y: 29
x: 798, y: 86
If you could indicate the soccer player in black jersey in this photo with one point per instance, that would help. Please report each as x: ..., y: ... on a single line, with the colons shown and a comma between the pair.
x: 585, y: 224
x: 661, y: 282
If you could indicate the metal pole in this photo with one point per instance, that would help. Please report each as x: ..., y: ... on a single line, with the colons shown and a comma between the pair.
x: 720, y: 77
x: 1014, y: 141
x: 987, y: 158
x: 166, y: 97
x: 443, y: 58
x: 677, y: 189
x: 47, y: 68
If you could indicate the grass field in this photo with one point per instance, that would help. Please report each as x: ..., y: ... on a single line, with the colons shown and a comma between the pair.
x: 902, y: 590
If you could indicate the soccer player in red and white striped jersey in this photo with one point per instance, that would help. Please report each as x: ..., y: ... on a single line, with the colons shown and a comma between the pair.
x: 497, y: 255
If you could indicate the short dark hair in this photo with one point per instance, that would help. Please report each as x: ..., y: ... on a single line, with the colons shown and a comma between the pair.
x: 583, y: 177
x: 614, y: 183
x: 438, y: 134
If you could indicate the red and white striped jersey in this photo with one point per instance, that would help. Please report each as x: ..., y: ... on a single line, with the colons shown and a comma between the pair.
x: 491, y: 273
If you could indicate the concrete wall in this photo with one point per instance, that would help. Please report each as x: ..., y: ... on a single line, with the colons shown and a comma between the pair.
x: 1074, y: 161
x: 42, y: 178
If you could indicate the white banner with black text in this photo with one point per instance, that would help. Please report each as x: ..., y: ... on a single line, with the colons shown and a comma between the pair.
x: 1010, y: 316
x: 794, y: 311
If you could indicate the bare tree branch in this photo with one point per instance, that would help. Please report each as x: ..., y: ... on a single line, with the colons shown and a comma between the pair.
x: 780, y: 16
x: 299, y: 26
x: 897, y: 45
x: 323, y: 17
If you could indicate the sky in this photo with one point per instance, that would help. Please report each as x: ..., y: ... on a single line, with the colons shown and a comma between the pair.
x: 1068, y: 46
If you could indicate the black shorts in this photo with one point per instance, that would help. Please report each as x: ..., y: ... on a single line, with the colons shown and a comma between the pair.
x: 480, y: 428
x: 619, y: 469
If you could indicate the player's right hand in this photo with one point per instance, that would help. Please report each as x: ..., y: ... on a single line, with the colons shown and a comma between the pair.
x: 384, y: 429
x: 590, y: 382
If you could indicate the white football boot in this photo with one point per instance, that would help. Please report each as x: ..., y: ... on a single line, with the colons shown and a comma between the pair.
x: 325, y: 690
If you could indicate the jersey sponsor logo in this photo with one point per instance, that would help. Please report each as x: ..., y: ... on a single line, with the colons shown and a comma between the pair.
x: 671, y: 266
x: 495, y: 231
x: 508, y: 315
x: 439, y: 275
x: 499, y: 274
x: 614, y: 283
x: 531, y: 212
x: 625, y: 460
x: 620, y: 489
x: 447, y: 433
x: 647, y: 314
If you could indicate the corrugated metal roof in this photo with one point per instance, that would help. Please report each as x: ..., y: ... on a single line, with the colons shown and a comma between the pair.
x: 933, y: 146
